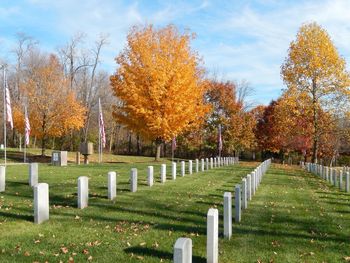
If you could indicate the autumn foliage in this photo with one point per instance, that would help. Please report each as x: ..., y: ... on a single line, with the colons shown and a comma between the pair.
x: 160, y: 83
x: 228, y: 111
x: 52, y: 108
x: 314, y: 69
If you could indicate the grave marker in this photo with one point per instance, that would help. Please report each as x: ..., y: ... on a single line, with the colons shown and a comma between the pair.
x: 244, y: 194
x: 227, y: 215
x: 83, y: 192
x: 41, y: 203
x: 33, y: 174
x: 163, y: 173
x: 150, y: 175
x: 183, y: 250
x: 213, y: 236
x: 112, y: 185
x: 238, y: 203
x: 133, y: 180
x: 183, y: 168
x: 173, y: 170
x: 2, y: 178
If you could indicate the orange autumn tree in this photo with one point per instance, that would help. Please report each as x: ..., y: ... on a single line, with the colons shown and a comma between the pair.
x: 160, y: 84
x: 52, y: 108
x: 314, y: 66
x: 228, y: 111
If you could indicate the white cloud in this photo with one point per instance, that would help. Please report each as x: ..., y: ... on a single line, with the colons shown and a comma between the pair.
x: 266, y: 35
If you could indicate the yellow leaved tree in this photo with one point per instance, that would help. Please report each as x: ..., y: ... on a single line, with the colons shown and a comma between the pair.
x: 160, y: 84
x: 52, y: 108
x: 314, y: 66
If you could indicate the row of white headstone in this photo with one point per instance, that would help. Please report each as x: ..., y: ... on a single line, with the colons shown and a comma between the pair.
x: 41, y: 190
x: 243, y: 194
x: 205, y: 164
x: 332, y: 175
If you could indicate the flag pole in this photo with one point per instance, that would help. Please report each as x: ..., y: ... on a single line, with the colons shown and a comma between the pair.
x: 25, y: 143
x: 5, y: 136
x: 99, y: 130
x: 172, y: 154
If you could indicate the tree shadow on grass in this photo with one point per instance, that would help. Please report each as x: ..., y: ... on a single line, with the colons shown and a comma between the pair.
x: 144, y: 251
x: 16, y: 216
x: 334, y: 193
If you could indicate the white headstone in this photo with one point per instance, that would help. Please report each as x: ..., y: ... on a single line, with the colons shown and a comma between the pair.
x: 340, y: 179
x: 83, y: 192
x: 227, y: 215
x: 238, y: 204
x: 163, y: 173
x: 202, y: 165
x: 331, y: 176
x: 190, y: 167
x: 244, y: 194
x: 112, y: 185
x: 150, y: 175
x: 213, y: 236
x: 183, y: 168
x: 183, y: 250
x: 347, y: 182
x: 2, y: 178
x: 249, y: 187
x: 206, y: 164
x: 211, y: 163
x: 197, y: 165
x: 253, y: 183
x: 133, y: 180
x: 173, y: 170
x: 33, y: 174
x: 41, y: 203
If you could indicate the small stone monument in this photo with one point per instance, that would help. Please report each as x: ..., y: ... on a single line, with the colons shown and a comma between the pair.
x: 59, y: 158
x: 86, y: 149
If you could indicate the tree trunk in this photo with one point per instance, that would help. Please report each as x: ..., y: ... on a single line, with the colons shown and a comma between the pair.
x: 129, y: 144
x: 315, y: 123
x: 43, y: 140
x: 138, y: 146
x: 43, y: 146
x: 158, y: 145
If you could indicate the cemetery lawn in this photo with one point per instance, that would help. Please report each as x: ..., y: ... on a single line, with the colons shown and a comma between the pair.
x: 294, y: 217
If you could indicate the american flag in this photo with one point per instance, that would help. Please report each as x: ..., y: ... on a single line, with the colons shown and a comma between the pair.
x: 8, y: 104
x: 220, y: 138
x: 102, y: 126
x: 26, y: 126
x: 173, y: 144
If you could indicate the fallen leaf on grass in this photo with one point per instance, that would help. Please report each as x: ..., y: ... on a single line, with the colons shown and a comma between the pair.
x: 64, y: 250
x: 155, y: 244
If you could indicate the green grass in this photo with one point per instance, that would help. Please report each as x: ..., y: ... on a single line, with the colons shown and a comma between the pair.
x: 294, y: 217
x: 33, y: 155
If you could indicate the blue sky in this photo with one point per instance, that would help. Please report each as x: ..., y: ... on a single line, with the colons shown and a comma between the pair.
x: 237, y: 39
